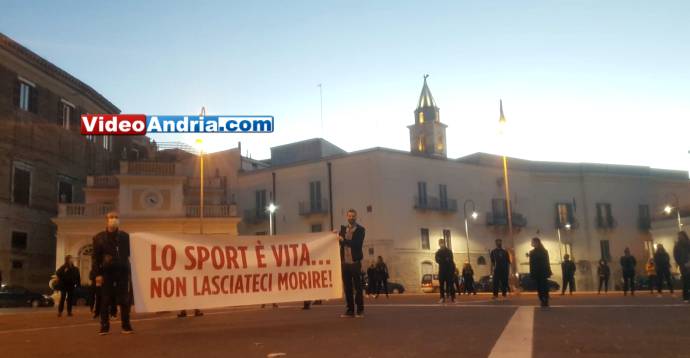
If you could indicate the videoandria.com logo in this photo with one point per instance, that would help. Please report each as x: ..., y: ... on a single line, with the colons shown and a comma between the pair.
x: 141, y: 124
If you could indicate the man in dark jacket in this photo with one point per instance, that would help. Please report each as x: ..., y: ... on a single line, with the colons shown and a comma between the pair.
x: 663, y: 268
x: 500, y: 267
x: 446, y: 271
x: 628, y: 264
x: 568, y: 270
x: 112, y: 270
x: 351, y: 238
x: 540, y: 270
x: 68, y: 280
x: 681, y: 252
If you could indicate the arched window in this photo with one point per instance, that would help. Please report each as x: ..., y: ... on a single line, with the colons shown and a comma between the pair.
x: 427, y: 268
x: 481, y: 260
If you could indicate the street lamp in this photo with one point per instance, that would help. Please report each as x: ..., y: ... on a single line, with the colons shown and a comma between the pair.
x: 502, y: 125
x: 560, y: 243
x: 200, y: 145
x: 271, y: 208
x: 467, y: 230
x: 668, y: 209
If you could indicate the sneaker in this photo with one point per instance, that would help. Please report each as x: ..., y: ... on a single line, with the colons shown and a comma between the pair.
x: 103, y: 331
x: 442, y: 301
x: 198, y: 313
x: 127, y: 330
x: 275, y: 305
x: 348, y: 314
x: 360, y: 313
x: 182, y: 314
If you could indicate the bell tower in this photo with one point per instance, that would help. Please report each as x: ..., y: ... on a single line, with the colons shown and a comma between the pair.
x: 427, y: 134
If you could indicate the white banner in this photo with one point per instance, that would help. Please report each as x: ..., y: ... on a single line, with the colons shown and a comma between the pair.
x: 181, y: 271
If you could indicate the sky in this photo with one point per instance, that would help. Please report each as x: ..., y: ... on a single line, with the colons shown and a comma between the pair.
x: 581, y: 81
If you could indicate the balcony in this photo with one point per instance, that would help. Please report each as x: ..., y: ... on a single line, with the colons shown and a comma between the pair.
x: 435, y: 204
x: 101, y: 181
x: 211, y: 211
x: 209, y: 183
x: 254, y: 216
x: 501, y: 219
x: 307, y: 208
x: 147, y: 168
x: 85, y: 210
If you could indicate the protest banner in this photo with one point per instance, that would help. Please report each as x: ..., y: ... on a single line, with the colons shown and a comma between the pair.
x: 185, y: 271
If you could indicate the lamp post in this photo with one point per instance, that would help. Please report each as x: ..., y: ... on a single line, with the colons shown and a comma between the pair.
x: 506, y: 184
x: 560, y: 243
x: 467, y: 230
x: 199, y: 143
x: 668, y: 209
x: 271, y: 208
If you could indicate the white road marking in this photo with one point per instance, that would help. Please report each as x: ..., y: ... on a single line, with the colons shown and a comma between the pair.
x: 516, y: 339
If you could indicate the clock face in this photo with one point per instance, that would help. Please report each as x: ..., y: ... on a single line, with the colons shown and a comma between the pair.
x: 152, y: 199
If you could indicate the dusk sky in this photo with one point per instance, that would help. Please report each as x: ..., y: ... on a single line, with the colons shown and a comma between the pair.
x: 581, y: 81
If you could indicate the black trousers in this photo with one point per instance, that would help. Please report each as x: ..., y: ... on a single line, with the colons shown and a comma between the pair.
x: 652, y: 283
x: 382, y: 286
x: 446, y: 285
x: 66, y: 294
x: 628, y: 283
x: 352, y: 284
x: 685, y: 276
x: 98, y: 302
x: 115, y: 291
x: 662, y: 276
x: 568, y: 282
x: 543, y: 290
x: 500, y: 281
x: 604, y: 281
x: 469, y: 284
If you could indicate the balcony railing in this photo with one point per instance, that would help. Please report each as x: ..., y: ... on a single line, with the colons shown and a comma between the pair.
x: 211, y: 211
x: 210, y: 183
x: 501, y: 219
x: 307, y: 208
x: 147, y: 168
x: 84, y: 210
x: 254, y: 216
x: 102, y: 181
x: 435, y: 204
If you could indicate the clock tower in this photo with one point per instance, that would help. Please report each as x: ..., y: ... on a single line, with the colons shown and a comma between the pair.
x: 427, y: 134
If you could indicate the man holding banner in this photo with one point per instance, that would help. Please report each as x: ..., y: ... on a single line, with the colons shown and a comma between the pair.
x: 351, y: 237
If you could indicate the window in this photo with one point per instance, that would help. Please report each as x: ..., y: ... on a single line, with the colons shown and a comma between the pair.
x: 27, y: 96
x: 498, y: 208
x: 443, y: 195
x: 421, y: 144
x: 260, y: 200
x: 425, y: 239
x: 605, y: 250
x: 316, y: 228
x: 604, y: 216
x: 371, y: 251
x: 315, y: 196
x: 19, y: 240
x: 369, y: 208
x: 421, y: 194
x: 108, y: 142
x: 17, y: 265
x: 427, y: 268
x: 64, y: 191
x: 421, y: 117
x: 66, y: 112
x: 481, y: 260
x: 644, y: 219
x: 564, y: 215
x: 446, y: 238
x: 21, y: 184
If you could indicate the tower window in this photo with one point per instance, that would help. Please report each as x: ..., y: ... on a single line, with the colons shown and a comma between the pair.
x: 421, y: 117
x: 420, y: 144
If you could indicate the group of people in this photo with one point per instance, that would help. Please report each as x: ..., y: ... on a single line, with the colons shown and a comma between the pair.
x: 377, y: 278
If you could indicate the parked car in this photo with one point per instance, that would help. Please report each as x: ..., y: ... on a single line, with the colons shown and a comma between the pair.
x: 393, y: 287
x: 17, y: 296
x: 485, y: 284
x: 430, y: 283
x: 642, y: 283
